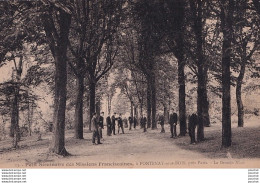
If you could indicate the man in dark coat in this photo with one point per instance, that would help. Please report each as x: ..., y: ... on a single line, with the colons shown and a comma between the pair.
x: 113, y: 126
x: 135, y: 122
x: 130, y: 119
x: 141, y: 122
x: 193, y: 121
x: 161, y: 119
x: 173, y: 124
x: 101, y: 124
x: 120, y: 124
x: 95, y: 134
x: 109, y: 124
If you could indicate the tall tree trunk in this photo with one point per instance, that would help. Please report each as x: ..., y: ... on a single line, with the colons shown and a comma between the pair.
x: 240, y: 107
x: 132, y: 110
x: 141, y: 109
x: 87, y: 122
x: 57, y: 37
x: 205, y: 106
x: 92, y: 100
x: 109, y: 98
x: 149, y: 104
x: 182, y: 105
x: 98, y: 107
x: 136, y: 115
x: 202, y: 100
x: 136, y: 112
x: 29, y: 116
x: 200, y: 130
x: 58, y: 139
x: 179, y: 53
x: 226, y: 25
x: 79, y: 108
x: 15, y: 117
x: 153, y: 91
x: 15, y: 107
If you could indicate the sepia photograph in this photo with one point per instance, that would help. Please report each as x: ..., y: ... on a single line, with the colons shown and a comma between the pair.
x: 129, y: 84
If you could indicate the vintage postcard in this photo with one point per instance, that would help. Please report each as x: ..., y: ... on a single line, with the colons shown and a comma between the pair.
x: 129, y: 84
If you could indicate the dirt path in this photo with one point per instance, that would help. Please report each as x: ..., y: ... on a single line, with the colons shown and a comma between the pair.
x: 132, y: 146
x: 132, y: 149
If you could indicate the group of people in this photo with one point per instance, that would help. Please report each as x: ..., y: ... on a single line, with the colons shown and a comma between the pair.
x: 192, y: 124
x: 98, y: 124
x: 173, y: 124
x: 111, y: 124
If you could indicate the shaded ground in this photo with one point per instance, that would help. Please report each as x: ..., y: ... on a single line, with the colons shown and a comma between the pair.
x: 135, y: 149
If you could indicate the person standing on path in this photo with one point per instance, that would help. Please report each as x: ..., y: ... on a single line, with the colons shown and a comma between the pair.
x: 144, y: 123
x: 109, y: 125
x: 125, y: 122
x: 95, y: 134
x: 130, y: 119
x: 120, y: 124
x: 135, y: 122
x: 193, y: 121
x: 161, y: 119
x: 114, y: 124
x: 101, y: 125
x: 173, y: 124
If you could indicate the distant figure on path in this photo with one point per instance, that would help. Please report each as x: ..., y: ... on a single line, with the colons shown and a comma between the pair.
x: 173, y: 124
x: 161, y: 119
x: 135, y: 122
x: 109, y: 125
x: 95, y: 135
x: 125, y: 122
x: 101, y: 124
x: 113, y: 127
x: 144, y: 123
x: 130, y: 119
x: 193, y: 121
x: 120, y: 124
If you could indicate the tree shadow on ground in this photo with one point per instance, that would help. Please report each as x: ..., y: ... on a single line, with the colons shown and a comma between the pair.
x: 245, y: 144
